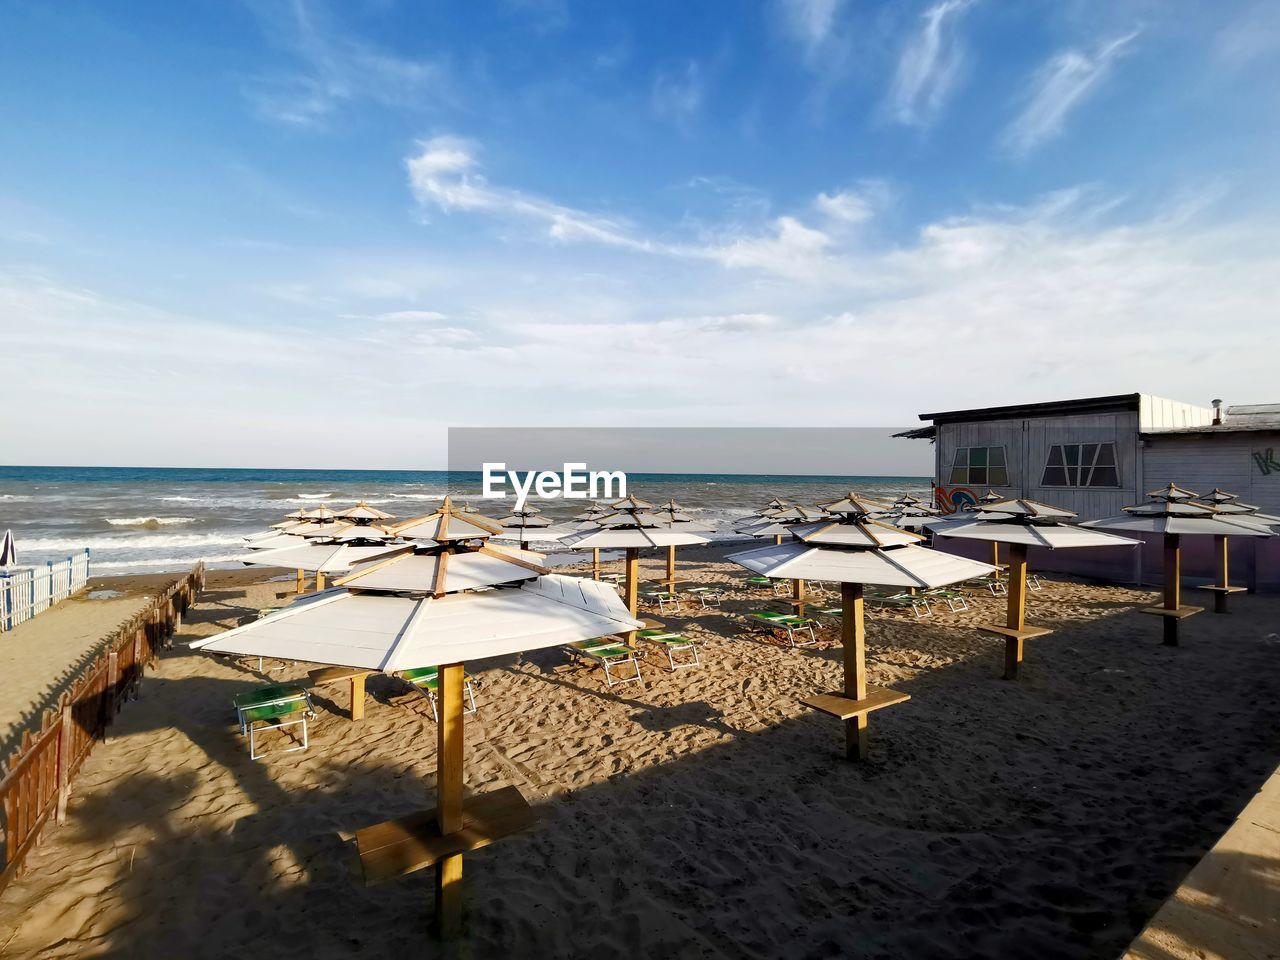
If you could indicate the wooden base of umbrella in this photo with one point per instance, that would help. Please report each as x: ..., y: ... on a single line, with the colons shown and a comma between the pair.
x: 1015, y: 630
x: 1223, y: 588
x: 858, y: 698
x: 1172, y: 610
x: 441, y: 836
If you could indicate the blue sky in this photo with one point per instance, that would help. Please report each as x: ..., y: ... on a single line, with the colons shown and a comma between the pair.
x: 293, y: 225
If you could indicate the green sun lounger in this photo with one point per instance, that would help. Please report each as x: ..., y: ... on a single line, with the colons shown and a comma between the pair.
x: 788, y: 622
x: 664, y: 599
x: 608, y: 652
x: 671, y: 643
x: 918, y: 605
x: 427, y: 679
x: 955, y: 600
x: 709, y: 596
x: 277, y: 705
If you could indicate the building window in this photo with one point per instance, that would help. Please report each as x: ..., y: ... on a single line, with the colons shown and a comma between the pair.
x: 980, y: 466
x: 1081, y: 465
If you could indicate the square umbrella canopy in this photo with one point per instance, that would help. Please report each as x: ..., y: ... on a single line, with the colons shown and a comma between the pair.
x: 389, y: 631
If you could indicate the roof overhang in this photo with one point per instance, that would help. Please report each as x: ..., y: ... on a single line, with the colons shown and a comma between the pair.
x: 1119, y: 403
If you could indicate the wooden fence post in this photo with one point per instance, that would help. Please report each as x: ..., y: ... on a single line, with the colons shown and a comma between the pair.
x: 65, y: 746
x: 113, y: 681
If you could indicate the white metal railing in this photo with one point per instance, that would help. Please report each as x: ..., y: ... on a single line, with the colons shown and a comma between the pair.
x: 27, y: 591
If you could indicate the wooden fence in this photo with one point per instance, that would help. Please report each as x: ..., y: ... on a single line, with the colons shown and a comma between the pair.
x: 26, y: 591
x: 37, y: 783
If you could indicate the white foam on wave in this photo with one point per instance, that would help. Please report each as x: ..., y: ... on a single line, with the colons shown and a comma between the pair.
x: 149, y: 522
x: 126, y: 542
x: 170, y: 563
x: 411, y: 496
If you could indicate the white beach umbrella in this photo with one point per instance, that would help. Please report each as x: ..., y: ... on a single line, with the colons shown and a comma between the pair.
x: 404, y: 614
x: 8, y: 551
x: 672, y: 515
x: 319, y: 558
x: 1023, y: 524
x: 864, y: 552
x: 448, y: 524
x: 363, y: 513
x: 1173, y: 513
x: 631, y: 527
x: 528, y: 524
x: 589, y: 520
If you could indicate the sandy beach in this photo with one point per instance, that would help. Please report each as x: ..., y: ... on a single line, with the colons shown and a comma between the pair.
x: 42, y: 656
x: 705, y: 811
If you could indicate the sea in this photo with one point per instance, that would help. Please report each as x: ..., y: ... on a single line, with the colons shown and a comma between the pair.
x: 151, y: 520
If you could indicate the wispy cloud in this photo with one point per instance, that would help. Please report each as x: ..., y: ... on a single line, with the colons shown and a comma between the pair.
x: 1060, y: 86
x: 1253, y: 34
x: 678, y: 94
x: 854, y: 205
x: 333, y: 70
x: 929, y: 64
x: 445, y: 174
x: 814, y: 27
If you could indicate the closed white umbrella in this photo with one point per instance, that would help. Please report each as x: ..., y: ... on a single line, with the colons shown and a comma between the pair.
x: 1023, y: 524
x: 8, y: 551
x: 432, y: 617
x: 1173, y: 512
x: 855, y: 550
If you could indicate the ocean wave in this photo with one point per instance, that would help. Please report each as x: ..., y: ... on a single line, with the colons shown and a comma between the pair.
x: 172, y: 563
x: 412, y: 496
x: 149, y: 523
x: 158, y: 541
x: 16, y: 496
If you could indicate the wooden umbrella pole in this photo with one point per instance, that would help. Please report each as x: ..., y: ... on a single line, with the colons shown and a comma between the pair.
x: 671, y: 568
x: 595, y: 563
x: 777, y: 539
x: 995, y: 559
x: 319, y: 580
x: 633, y: 585
x: 797, y: 594
x: 302, y: 581
x: 1016, y: 615
x: 1172, y: 585
x: 449, y: 749
x: 853, y: 636
x: 1224, y: 575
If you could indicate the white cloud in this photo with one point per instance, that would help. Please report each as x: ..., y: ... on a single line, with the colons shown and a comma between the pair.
x: 929, y: 64
x: 411, y: 316
x: 1059, y: 86
x: 445, y: 174
x: 334, y: 70
x: 1071, y: 295
x: 854, y: 205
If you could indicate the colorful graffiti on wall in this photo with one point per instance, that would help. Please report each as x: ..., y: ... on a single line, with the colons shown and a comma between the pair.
x: 1266, y: 461
x: 955, y: 499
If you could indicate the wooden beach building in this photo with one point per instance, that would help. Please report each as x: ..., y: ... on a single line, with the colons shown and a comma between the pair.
x: 1096, y: 455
